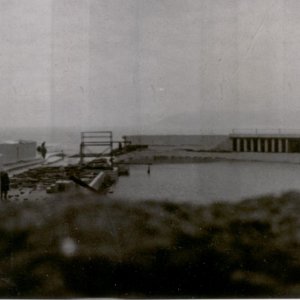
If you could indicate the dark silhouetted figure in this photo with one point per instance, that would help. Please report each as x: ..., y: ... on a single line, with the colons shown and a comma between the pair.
x: 42, y: 149
x: 4, y: 184
x: 120, y: 146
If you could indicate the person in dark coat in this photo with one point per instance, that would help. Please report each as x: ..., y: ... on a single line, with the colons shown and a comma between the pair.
x: 42, y: 150
x: 4, y: 184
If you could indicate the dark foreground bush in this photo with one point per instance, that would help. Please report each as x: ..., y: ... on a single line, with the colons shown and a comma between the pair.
x: 84, y: 247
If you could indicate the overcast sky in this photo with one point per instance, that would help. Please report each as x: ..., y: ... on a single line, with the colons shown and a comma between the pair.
x: 152, y: 64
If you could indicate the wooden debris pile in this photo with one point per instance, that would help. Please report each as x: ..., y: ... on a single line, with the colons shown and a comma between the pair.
x: 47, y: 176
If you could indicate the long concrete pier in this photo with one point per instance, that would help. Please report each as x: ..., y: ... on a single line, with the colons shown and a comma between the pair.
x: 268, y: 143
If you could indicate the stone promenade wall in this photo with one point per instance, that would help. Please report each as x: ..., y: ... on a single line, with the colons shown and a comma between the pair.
x: 199, y: 142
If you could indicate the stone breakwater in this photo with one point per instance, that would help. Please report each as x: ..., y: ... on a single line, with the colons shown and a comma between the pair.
x: 205, y: 142
x: 162, y: 154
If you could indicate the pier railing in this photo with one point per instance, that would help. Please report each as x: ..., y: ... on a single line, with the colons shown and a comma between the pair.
x: 260, y: 131
x: 103, y: 139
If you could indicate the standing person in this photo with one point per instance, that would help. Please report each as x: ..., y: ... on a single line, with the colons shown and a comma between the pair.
x: 43, y: 150
x: 4, y: 184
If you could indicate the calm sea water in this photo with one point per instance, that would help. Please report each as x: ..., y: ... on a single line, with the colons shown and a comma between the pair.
x: 207, y: 182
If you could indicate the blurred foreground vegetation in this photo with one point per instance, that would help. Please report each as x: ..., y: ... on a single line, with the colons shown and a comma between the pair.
x: 79, y: 247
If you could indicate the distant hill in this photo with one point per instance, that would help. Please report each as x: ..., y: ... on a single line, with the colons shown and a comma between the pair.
x: 221, y: 122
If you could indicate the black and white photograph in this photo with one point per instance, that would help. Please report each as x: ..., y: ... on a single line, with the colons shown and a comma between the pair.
x: 149, y: 149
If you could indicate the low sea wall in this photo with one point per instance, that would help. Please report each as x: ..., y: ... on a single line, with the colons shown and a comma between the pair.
x: 199, y: 142
x: 157, y: 155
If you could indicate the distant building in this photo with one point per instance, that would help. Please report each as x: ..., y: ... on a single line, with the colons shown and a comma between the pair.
x: 270, y: 143
x: 15, y: 151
